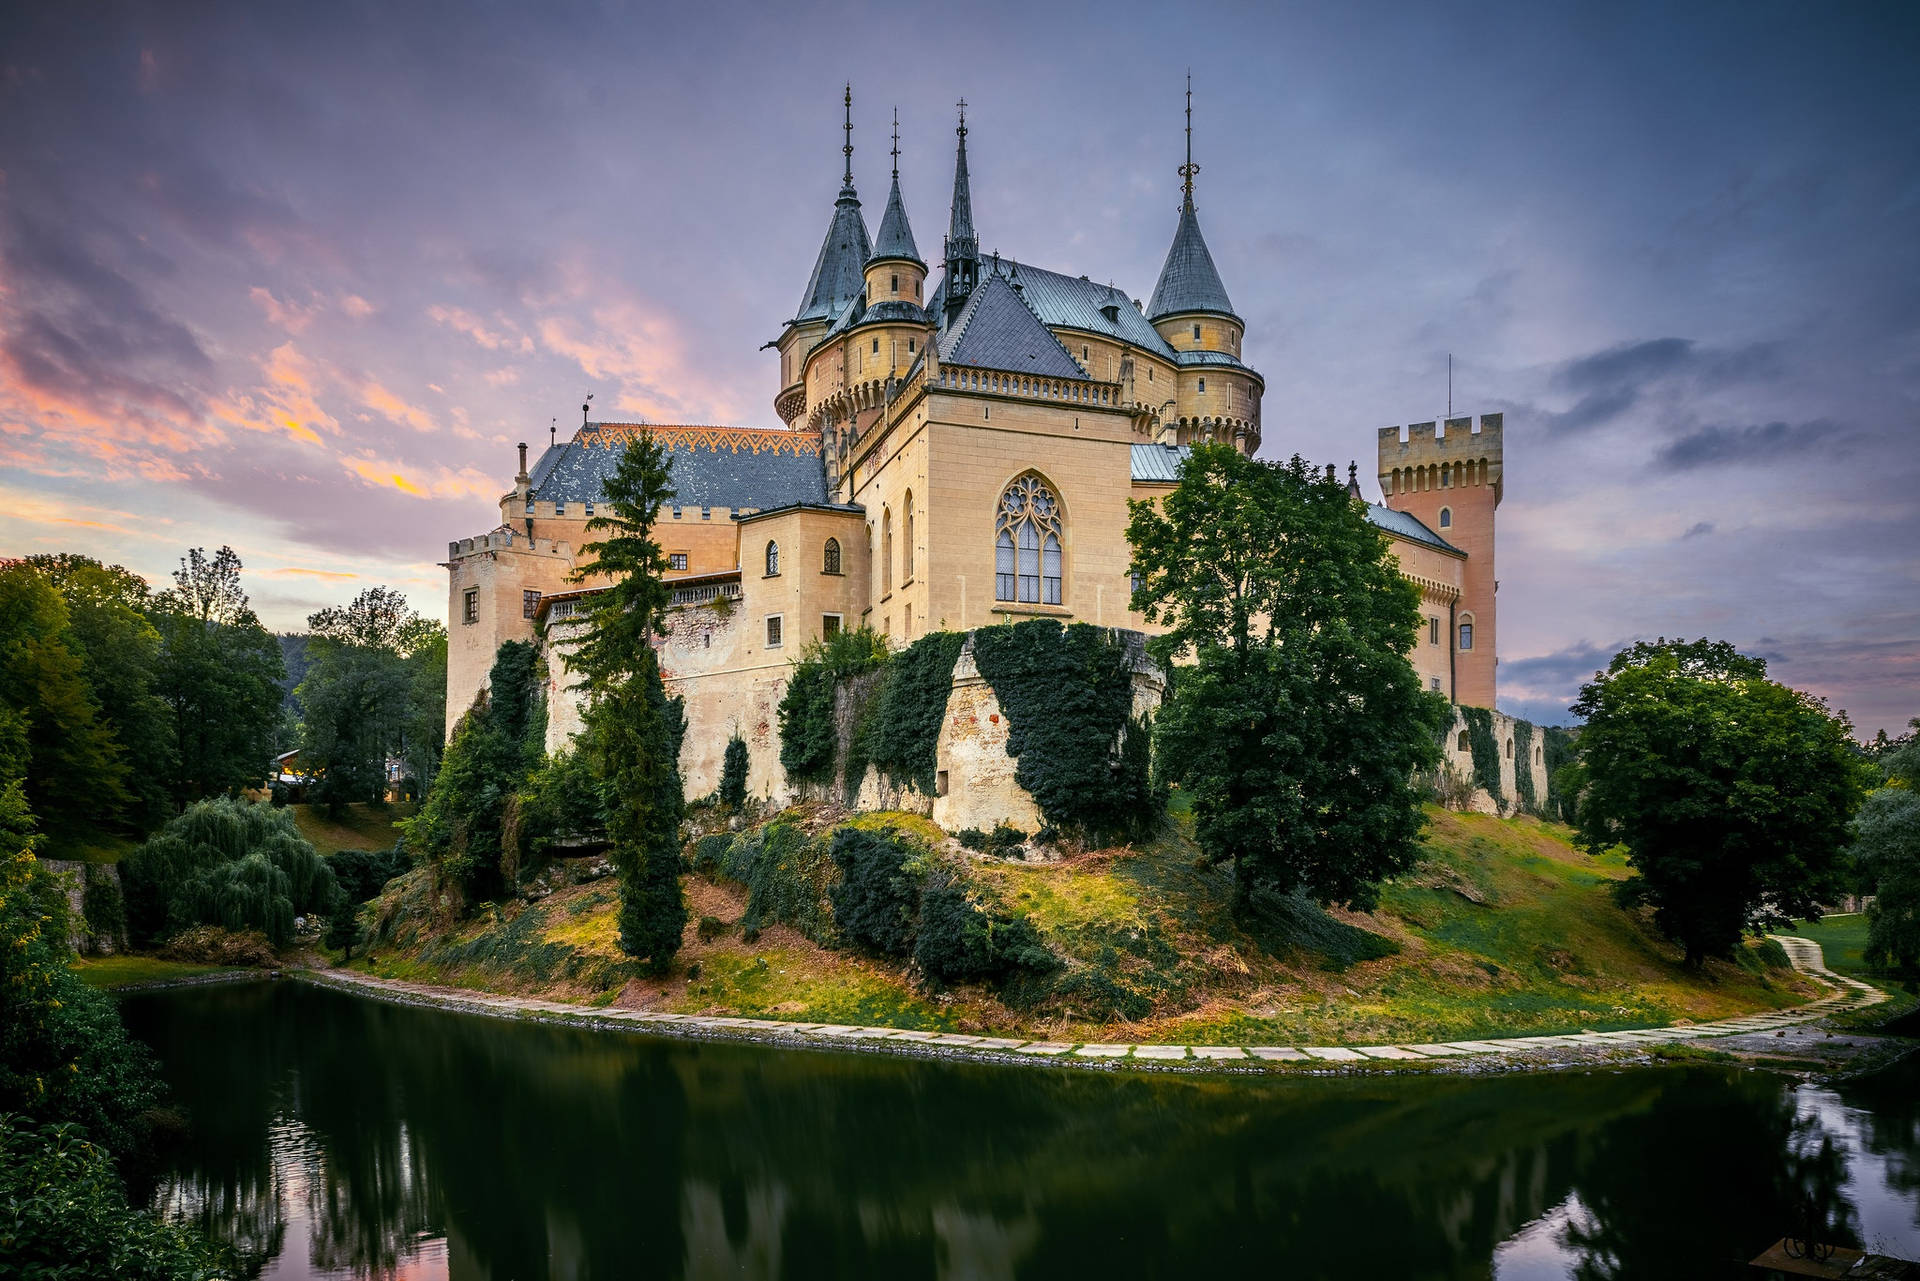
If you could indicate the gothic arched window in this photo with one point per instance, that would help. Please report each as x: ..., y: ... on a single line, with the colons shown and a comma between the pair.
x: 1027, y: 544
x: 830, y: 562
x: 906, y: 553
x: 886, y: 551
x: 773, y: 559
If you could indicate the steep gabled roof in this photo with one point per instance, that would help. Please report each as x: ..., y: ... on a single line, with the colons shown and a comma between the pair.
x: 1189, y: 281
x: 1078, y: 303
x: 996, y: 329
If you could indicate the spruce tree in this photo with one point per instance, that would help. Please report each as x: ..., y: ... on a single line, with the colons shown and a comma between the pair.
x: 634, y: 730
x: 733, y: 774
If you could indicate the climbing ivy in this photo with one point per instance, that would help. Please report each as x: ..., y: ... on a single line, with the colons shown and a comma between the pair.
x: 1068, y: 696
x: 809, y: 739
x: 1523, y: 766
x: 898, y: 728
x: 1561, y: 753
x: 1486, y: 754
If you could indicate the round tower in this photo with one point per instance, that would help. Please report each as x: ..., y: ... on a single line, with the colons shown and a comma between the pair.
x: 838, y: 276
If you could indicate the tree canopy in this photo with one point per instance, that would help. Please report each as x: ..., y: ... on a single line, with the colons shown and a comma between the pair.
x: 375, y: 688
x: 1886, y: 849
x: 1299, y: 723
x: 1730, y: 792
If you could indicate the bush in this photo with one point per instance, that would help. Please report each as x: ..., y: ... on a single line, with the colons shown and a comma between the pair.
x: 960, y: 943
x: 899, y: 729
x: 1486, y: 754
x: 227, y: 863
x: 787, y: 877
x: 63, y: 1214
x: 1282, y: 923
x: 211, y: 945
x: 1001, y: 841
x: 362, y: 874
x: 733, y: 774
x: 876, y: 902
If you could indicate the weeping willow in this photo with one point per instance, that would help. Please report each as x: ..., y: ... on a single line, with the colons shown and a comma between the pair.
x: 227, y: 863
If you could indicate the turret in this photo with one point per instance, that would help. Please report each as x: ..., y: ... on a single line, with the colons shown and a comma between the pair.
x: 895, y: 272
x: 1190, y: 306
x: 963, y: 243
x: 838, y: 275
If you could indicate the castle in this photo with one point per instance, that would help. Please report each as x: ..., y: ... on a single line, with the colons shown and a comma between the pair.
x: 953, y: 454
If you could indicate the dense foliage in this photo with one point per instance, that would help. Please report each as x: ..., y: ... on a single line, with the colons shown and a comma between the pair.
x: 898, y: 729
x: 375, y: 684
x: 1068, y: 697
x: 1486, y: 753
x: 362, y: 874
x: 64, y: 1217
x: 1886, y: 850
x: 634, y: 730
x: 877, y: 898
x: 229, y: 863
x: 733, y: 774
x: 1731, y: 793
x: 1523, y: 768
x: 1562, y: 773
x: 809, y: 737
x: 1300, y: 724
x: 788, y: 877
x: 958, y: 941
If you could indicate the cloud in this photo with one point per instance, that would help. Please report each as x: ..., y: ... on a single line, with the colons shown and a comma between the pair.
x: 1720, y: 446
x: 505, y: 338
x: 378, y: 398
x: 356, y: 306
x: 1699, y: 529
x: 1608, y: 383
x: 501, y: 377
x: 286, y: 403
x: 290, y: 316
x: 1550, y: 682
x: 437, y: 482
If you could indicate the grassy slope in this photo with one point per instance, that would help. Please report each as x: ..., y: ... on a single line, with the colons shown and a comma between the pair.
x: 1505, y: 929
x: 361, y: 827
x: 119, y: 971
x: 1843, y: 937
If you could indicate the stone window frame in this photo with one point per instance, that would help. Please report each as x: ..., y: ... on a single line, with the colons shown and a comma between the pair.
x: 776, y: 631
x: 839, y: 622
x: 470, y: 606
x: 1029, y: 502
x: 1446, y: 518
x: 529, y: 602
x: 1463, y: 637
x: 830, y: 557
x: 676, y: 562
x: 773, y: 558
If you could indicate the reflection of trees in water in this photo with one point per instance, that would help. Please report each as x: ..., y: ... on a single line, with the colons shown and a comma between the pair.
x: 551, y: 1151
x: 1717, y: 1168
x: 1891, y: 1122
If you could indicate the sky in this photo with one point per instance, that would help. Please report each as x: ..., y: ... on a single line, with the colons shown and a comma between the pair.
x: 298, y: 277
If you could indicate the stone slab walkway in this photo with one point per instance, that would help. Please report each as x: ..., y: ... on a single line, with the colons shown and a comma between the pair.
x: 1843, y: 993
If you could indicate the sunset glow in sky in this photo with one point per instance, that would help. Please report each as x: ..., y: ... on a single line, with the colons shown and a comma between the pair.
x: 298, y: 277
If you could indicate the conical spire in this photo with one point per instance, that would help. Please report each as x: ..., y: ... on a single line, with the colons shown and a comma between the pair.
x: 896, y: 236
x: 963, y: 243
x: 1189, y: 281
x: 838, y: 273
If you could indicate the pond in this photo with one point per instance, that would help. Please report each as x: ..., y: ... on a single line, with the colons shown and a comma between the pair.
x: 336, y: 1136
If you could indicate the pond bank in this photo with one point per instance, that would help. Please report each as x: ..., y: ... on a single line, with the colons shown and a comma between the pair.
x: 1747, y: 1037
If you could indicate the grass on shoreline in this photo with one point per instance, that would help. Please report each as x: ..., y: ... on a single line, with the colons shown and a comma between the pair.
x: 126, y: 970
x: 1504, y: 929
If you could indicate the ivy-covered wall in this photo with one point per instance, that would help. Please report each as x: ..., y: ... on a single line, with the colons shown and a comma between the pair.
x: 1477, y: 750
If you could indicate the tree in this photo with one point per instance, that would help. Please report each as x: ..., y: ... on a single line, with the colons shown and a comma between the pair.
x: 633, y: 728
x: 219, y: 674
x: 1299, y: 724
x: 1730, y: 792
x: 119, y: 652
x: 424, y: 734
x: 359, y: 692
x: 733, y: 774
x: 74, y: 774
x: 343, y: 927
x: 1886, y: 848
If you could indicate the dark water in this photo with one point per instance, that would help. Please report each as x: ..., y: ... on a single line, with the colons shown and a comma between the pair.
x: 335, y: 1136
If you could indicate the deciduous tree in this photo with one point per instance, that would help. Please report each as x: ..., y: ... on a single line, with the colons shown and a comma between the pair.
x: 1731, y: 793
x: 219, y: 674
x: 1886, y: 849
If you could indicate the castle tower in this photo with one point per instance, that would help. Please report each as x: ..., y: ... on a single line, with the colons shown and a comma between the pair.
x: 1191, y: 310
x: 963, y: 243
x: 1451, y: 481
x: 895, y: 271
x: 838, y: 274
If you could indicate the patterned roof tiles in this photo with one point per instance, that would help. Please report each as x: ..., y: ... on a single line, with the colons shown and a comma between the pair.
x: 712, y: 466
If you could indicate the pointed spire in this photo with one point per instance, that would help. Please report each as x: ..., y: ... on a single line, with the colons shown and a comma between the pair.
x: 838, y: 273
x: 896, y: 235
x: 1189, y: 281
x: 963, y: 243
x: 846, y: 180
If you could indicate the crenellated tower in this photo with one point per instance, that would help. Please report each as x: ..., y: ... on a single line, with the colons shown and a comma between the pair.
x: 1450, y: 479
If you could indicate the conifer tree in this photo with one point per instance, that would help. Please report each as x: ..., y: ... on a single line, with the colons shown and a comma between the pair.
x: 733, y: 774
x: 634, y: 729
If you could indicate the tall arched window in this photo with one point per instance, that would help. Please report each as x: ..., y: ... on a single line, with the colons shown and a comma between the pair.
x: 1027, y: 544
x: 773, y: 559
x: 906, y: 553
x: 830, y: 562
x: 1466, y: 632
x: 886, y: 551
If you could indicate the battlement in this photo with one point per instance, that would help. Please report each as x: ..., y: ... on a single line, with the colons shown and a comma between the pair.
x: 1429, y: 455
x: 504, y: 539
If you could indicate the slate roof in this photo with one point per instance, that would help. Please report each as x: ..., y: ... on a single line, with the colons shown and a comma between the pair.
x: 1208, y: 358
x: 544, y: 464
x: 1160, y: 464
x: 726, y: 467
x: 996, y: 329
x: 1189, y: 281
x: 839, y: 273
x: 896, y: 236
x: 1076, y: 302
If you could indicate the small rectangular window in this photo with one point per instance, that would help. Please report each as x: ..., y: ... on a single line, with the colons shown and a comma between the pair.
x: 1203, y: 384
x: 1433, y: 629
x: 590, y: 510
x: 470, y: 606
x: 1435, y: 685
x: 677, y: 560
x: 773, y: 631
x: 909, y: 346
x: 529, y: 603
x: 559, y: 509
x: 829, y: 626
x: 1196, y: 333
x: 1466, y: 636
x: 896, y: 289
x: 876, y: 346
x: 706, y: 513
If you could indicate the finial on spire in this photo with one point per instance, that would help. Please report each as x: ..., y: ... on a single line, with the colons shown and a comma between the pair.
x: 896, y: 144
x: 963, y: 122
x: 1189, y: 169
x: 847, y: 150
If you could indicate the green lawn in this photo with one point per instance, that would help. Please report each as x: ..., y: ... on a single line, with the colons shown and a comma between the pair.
x: 360, y: 826
x: 1843, y: 937
x: 87, y: 847
x: 120, y: 971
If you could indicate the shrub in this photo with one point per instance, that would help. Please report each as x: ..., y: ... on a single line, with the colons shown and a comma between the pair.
x: 227, y: 863
x: 102, y: 905
x: 899, y: 729
x: 343, y: 928
x: 958, y: 942
x: 1001, y: 841
x: 1486, y: 755
x: 362, y: 874
x: 1068, y: 695
x: 876, y: 902
x: 211, y: 945
x: 63, y: 1214
x: 1523, y: 767
x: 1282, y: 923
x: 709, y: 854
x: 733, y: 774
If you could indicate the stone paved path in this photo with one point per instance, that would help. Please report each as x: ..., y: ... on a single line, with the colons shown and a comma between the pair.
x: 1844, y: 993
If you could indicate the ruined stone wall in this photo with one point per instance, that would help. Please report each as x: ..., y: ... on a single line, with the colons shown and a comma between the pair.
x: 1459, y: 758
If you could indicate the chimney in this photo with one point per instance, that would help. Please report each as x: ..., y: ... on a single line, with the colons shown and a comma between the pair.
x: 523, y: 478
